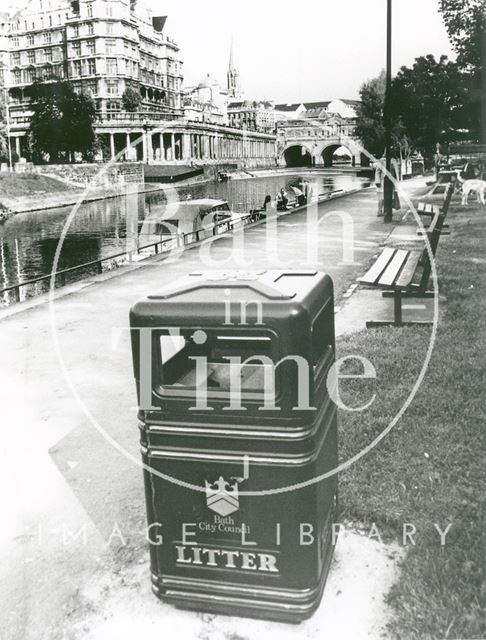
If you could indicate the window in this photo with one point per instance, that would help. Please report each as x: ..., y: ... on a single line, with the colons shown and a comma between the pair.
x: 111, y: 66
x: 15, y: 41
x: 75, y: 31
x: 30, y: 40
x: 112, y: 87
x: 31, y: 57
x: 90, y: 87
x: 91, y: 67
x: 113, y: 106
x: 50, y: 21
x: 90, y: 47
x: 110, y: 46
x: 109, y: 9
x: 110, y: 28
x: 47, y: 37
x: 76, y: 68
x: 89, y: 10
x: 16, y: 77
x: 48, y: 54
x: 76, y: 49
x: 29, y: 75
x: 57, y: 55
x: 90, y: 29
x: 15, y: 59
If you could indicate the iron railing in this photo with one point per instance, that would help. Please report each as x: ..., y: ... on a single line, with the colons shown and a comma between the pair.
x: 61, y: 276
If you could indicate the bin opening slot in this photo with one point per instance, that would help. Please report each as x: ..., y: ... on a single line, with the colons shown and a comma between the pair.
x: 252, y: 367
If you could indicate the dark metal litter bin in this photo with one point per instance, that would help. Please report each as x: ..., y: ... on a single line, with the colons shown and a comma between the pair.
x: 231, y: 372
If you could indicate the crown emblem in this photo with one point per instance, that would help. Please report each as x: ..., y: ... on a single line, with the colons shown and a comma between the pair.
x: 222, y: 496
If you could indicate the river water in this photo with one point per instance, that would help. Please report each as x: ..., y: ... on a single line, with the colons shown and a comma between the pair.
x: 28, y: 241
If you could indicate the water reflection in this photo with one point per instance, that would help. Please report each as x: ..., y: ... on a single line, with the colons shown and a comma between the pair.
x: 28, y: 241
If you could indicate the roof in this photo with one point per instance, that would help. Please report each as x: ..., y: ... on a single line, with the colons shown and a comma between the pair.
x: 313, y: 105
x: 317, y: 105
x: 207, y: 82
x: 288, y: 107
x: 314, y: 113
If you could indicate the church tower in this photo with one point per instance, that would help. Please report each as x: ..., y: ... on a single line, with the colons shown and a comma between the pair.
x: 234, y: 88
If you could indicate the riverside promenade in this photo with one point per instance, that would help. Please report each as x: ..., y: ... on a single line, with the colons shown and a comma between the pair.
x: 74, y: 514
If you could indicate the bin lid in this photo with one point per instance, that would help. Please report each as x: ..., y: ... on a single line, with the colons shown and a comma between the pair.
x: 270, y: 285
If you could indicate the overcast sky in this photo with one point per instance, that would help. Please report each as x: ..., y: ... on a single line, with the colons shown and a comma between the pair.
x: 299, y: 50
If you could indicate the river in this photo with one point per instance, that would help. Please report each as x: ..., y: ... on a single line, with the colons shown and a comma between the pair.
x: 28, y: 241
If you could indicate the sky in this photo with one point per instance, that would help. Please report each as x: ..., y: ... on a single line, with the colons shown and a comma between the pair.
x: 300, y: 50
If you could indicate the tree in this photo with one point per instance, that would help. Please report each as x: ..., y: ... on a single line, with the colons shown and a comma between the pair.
x: 465, y: 21
x: 430, y: 103
x: 131, y: 99
x: 62, y: 122
x: 370, y: 128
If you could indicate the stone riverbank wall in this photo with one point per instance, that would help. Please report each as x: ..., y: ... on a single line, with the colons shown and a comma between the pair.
x: 95, y: 174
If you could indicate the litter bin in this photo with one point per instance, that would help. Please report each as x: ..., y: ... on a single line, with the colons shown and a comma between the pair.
x: 236, y: 423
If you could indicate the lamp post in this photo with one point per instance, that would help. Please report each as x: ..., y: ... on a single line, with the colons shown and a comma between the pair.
x: 145, y: 143
x: 388, y: 184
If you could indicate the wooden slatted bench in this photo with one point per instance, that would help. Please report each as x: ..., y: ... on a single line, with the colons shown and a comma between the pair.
x: 396, y: 272
x: 431, y: 211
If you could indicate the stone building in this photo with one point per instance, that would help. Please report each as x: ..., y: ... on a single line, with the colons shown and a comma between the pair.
x: 4, y: 19
x: 338, y: 106
x: 103, y: 47
x: 106, y: 47
x: 253, y: 115
x: 206, y: 102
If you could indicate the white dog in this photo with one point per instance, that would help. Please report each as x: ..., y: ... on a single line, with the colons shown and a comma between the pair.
x: 473, y: 186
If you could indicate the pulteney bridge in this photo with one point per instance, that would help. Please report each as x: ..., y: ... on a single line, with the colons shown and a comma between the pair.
x: 313, y: 142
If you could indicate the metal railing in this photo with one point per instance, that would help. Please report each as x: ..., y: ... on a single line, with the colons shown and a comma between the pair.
x: 138, y: 117
x: 159, y: 247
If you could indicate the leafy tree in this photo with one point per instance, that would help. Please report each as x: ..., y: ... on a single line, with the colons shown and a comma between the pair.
x: 370, y: 123
x: 465, y: 21
x: 430, y: 102
x: 370, y: 127
x: 62, y: 122
x: 131, y: 99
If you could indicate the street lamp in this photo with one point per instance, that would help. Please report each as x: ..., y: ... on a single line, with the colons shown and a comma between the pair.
x: 388, y: 184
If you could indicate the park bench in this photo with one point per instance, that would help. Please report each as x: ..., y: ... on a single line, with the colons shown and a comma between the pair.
x: 396, y: 271
x: 429, y: 210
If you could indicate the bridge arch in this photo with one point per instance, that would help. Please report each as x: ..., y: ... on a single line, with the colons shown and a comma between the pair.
x: 297, y: 155
x: 329, y: 151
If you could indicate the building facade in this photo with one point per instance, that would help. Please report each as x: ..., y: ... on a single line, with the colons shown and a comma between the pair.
x: 103, y: 47
x: 206, y: 102
x: 253, y: 115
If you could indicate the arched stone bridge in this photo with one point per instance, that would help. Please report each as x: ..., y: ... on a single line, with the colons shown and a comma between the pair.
x: 313, y: 142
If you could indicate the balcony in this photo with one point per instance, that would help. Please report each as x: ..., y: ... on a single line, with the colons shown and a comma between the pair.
x: 139, y: 118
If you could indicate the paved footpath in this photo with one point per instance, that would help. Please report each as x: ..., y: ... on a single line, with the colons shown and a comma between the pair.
x: 60, y: 476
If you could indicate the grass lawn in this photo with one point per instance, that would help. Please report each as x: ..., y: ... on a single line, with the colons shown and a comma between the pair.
x: 18, y: 185
x: 431, y: 469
